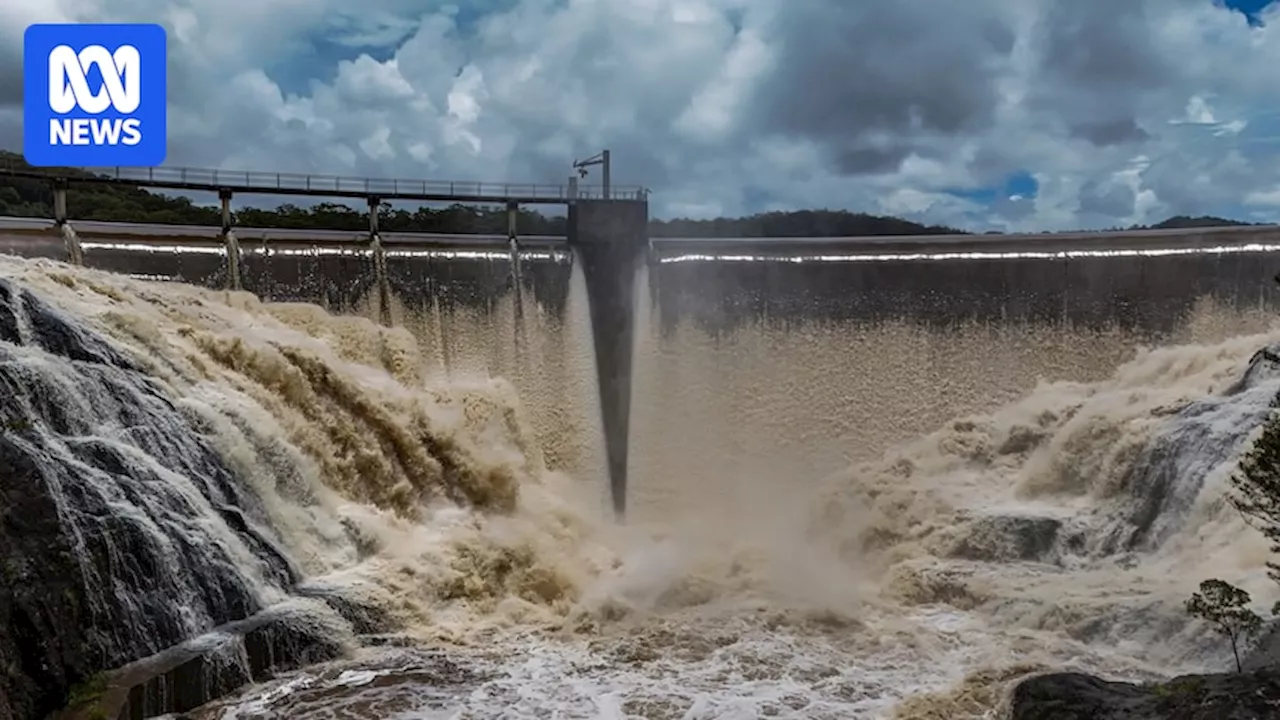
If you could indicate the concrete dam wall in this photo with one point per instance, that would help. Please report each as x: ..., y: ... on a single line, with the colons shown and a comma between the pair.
x: 758, y: 364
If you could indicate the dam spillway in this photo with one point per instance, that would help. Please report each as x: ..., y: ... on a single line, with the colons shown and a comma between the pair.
x: 756, y: 361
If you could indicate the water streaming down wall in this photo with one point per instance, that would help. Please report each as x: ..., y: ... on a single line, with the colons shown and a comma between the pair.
x: 783, y: 371
x: 455, y: 296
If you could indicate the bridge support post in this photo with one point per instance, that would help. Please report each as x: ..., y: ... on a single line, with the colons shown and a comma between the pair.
x: 374, y: 204
x: 224, y: 197
x: 513, y: 239
x: 230, y: 242
x: 379, y: 258
x: 609, y: 238
x: 60, y: 202
x: 75, y: 254
x: 605, y: 176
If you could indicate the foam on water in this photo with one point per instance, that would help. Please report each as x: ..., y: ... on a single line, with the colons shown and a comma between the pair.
x: 919, y: 581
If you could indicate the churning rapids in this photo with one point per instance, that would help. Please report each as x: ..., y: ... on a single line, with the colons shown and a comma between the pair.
x: 177, y: 458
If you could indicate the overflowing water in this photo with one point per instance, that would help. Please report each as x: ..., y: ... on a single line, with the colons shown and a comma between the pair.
x: 817, y: 532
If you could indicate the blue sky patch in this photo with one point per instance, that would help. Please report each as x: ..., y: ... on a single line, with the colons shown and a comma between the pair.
x: 348, y: 36
x: 1251, y: 9
x: 1020, y: 183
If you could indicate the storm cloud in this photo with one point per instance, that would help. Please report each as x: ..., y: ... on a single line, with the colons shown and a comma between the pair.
x: 1121, y: 112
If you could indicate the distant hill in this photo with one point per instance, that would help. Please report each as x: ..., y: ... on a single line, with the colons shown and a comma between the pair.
x: 1183, y: 221
x: 797, y: 224
x: 123, y: 203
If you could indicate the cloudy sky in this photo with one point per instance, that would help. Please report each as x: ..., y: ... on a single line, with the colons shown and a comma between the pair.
x: 1004, y: 114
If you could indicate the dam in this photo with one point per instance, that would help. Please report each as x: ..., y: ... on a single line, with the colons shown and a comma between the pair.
x: 742, y: 343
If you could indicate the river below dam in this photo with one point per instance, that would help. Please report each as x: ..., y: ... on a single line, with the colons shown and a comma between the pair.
x: 829, y: 517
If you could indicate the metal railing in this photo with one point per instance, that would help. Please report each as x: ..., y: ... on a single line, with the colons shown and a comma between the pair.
x: 294, y: 183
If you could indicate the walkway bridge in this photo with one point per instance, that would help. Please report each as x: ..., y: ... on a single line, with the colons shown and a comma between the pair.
x: 332, y: 186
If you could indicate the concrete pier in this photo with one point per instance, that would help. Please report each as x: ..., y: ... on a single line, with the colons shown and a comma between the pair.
x: 224, y: 197
x: 610, y: 238
x: 60, y: 201
x: 374, y: 203
x: 379, y: 263
x: 513, y: 239
x: 230, y: 242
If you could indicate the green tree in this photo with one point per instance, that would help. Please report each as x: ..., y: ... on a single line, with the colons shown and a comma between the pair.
x: 1227, y: 607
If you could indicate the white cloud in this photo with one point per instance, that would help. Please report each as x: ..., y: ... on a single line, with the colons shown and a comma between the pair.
x: 1199, y: 112
x: 733, y: 106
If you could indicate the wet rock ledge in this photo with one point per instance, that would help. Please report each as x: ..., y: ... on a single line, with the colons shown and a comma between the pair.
x: 182, y: 678
x: 1224, y: 696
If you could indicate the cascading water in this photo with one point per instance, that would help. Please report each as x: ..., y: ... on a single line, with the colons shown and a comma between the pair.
x: 71, y: 242
x: 116, y: 496
x: 179, y: 458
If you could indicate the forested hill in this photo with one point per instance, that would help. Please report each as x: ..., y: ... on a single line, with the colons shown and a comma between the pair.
x: 1182, y: 221
x: 34, y: 198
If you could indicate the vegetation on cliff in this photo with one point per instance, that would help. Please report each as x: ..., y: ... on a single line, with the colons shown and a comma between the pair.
x: 1227, y: 608
x: 23, y: 197
x: 1256, y: 494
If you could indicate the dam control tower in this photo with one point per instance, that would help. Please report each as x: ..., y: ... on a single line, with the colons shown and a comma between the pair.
x: 609, y: 236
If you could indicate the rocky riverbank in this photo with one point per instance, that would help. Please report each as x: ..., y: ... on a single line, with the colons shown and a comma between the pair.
x: 1224, y: 696
x: 1251, y: 695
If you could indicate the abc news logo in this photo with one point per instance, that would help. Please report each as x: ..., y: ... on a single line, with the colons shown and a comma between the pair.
x: 94, y: 95
x: 69, y: 89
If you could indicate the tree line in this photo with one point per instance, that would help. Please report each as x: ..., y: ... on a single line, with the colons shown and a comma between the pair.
x: 24, y: 197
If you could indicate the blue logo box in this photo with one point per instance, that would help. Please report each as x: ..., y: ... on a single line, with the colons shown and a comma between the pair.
x: 94, y: 95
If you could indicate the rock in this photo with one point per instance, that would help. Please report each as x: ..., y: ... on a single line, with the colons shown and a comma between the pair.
x: 364, y: 616
x: 27, y: 320
x: 1007, y: 538
x: 1075, y: 696
x: 1264, y: 651
x: 184, y: 677
x: 1263, y: 366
